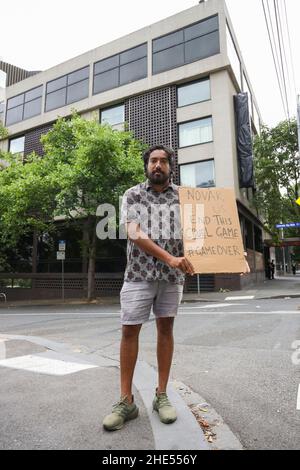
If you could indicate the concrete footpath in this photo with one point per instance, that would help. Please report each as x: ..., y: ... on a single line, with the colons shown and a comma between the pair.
x: 279, y: 288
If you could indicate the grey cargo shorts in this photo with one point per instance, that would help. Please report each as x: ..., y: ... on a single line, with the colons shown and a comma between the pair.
x: 137, y: 299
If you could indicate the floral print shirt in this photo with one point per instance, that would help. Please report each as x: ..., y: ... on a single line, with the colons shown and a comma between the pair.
x: 158, y: 214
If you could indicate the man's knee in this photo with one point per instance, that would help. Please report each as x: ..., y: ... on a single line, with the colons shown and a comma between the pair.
x: 165, y: 326
x: 130, y: 331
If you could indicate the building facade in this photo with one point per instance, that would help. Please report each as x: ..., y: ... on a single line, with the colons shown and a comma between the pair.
x: 173, y: 83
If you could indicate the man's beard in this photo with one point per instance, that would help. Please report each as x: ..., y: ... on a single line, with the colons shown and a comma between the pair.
x: 158, y: 177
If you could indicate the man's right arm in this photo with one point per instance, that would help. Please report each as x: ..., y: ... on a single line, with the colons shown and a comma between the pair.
x: 139, y: 238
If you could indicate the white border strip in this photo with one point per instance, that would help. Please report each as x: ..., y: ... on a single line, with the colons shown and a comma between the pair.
x: 242, y: 297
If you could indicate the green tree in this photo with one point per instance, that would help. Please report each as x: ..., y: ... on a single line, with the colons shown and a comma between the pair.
x: 3, y: 131
x: 85, y: 165
x: 277, y: 175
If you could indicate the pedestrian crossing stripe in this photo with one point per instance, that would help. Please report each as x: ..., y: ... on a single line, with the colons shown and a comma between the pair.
x: 42, y: 364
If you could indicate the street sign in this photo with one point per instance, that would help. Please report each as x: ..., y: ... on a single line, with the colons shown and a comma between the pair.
x: 62, y: 245
x: 60, y: 255
x: 289, y: 225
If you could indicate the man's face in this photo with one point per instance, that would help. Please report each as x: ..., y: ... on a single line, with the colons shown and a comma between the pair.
x: 158, y: 169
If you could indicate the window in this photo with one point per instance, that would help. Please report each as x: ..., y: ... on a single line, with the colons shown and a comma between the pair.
x: 120, y: 69
x: 258, y: 240
x: 195, y: 132
x: 256, y: 119
x: 187, y: 45
x: 24, y: 106
x: 193, y: 92
x: 198, y: 175
x: 16, y: 146
x: 133, y: 71
x: 67, y: 89
x: 114, y: 115
x: 168, y: 59
x: 2, y: 107
x: 247, y: 90
x: 233, y: 57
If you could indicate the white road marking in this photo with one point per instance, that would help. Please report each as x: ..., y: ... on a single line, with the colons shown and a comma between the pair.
x: 212, y: 306
x: 284, y: 312
x: 44, y: 365
x: 58, y: 314
x: 298, y: 399
x: 242, y: 297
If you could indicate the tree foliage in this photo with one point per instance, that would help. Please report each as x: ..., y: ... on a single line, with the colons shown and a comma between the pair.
x: 3, y: 132
x: 277, y: 175
x: 85, y: 164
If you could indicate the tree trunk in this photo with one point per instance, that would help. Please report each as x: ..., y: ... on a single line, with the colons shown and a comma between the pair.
x: 85, y: 243
x: 92, y: 262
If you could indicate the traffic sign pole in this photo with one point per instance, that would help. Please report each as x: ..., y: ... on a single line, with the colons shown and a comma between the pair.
x: 63, y: 280
x: 61, y: 254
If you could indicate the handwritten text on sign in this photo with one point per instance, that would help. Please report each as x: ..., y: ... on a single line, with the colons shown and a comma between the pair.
x: 211, y: 230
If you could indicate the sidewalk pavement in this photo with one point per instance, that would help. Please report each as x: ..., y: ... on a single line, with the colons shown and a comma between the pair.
x: 280, y: 287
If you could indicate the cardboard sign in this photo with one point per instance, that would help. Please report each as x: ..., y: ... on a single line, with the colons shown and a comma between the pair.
x: 211, y: 230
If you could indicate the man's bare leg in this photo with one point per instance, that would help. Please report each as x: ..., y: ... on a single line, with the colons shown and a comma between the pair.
x: 165, y: 347
x: 128, y: 356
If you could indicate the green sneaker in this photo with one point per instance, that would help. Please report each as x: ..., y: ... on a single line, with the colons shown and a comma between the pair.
x: 161, y: 404
x: 122, y: 411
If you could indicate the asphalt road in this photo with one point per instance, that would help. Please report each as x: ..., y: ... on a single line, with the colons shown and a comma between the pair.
x: 242, y: 357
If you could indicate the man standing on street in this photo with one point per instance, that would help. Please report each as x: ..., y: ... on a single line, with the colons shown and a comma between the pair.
x: 154, y: 277
x: 272, y: 266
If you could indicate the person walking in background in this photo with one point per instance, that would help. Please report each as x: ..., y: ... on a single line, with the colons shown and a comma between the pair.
x: 272, y: 269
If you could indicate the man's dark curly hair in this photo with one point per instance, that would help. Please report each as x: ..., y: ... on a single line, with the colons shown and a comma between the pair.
x: 169, y: 152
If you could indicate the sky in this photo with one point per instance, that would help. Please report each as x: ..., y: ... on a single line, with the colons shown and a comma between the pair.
x: 37, y: 35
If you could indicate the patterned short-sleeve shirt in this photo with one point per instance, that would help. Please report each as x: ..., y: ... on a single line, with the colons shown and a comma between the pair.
x: 158, y: 215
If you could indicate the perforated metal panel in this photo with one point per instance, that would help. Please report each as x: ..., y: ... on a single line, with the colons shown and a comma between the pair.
x: 57, y: 283
x: 32, y: 140
x: 152, y: 118
x: 107, y: 286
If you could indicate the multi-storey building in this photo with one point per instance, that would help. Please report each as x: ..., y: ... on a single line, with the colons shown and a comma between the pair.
x: 174, y: 83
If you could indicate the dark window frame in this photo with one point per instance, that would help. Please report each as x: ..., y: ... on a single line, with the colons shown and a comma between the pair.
x: 101, y: 73
x: 183, y: 43
x: 111, y: 107
x: 238, y: 57
x: 66, y: 88
x: 212, y: 159
x: 192, y: 83
x: 16, y: 138
x: 107, y: 70
x: 193, y: 120
x: 118, y: 67
x: 23, y: 104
